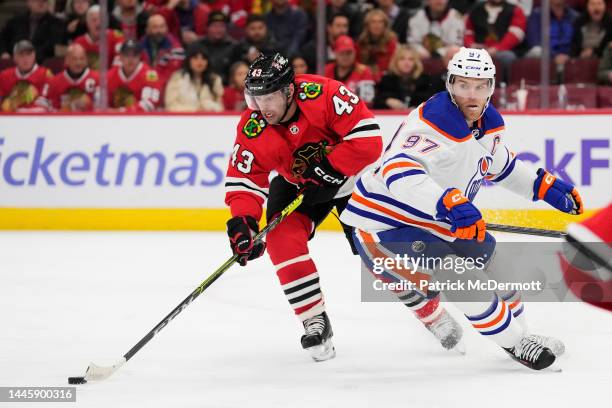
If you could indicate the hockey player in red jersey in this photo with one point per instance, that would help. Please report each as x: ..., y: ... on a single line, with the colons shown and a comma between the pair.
x: 76, y: 88
x: 23, y: 88
x: 133, y: 86
x: 317, y: 135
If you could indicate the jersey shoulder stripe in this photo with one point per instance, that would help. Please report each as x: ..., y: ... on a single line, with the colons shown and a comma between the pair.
x: 441, y: 114
x: 492, y: 120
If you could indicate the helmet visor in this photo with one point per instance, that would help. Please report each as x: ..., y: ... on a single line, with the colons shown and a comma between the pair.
x: 266, y: 103
x: 479, y: 89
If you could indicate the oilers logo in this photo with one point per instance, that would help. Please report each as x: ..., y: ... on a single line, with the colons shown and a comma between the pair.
x: 484, y: 163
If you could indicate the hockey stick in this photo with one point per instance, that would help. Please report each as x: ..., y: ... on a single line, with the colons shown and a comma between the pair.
x: 97, y: 373
x: 525, y: 230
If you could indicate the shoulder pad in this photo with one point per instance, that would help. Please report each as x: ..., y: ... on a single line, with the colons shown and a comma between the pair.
x: 254, y: 124
x: 309, y: 90
x: 440, y: 113
x: 492, y: 120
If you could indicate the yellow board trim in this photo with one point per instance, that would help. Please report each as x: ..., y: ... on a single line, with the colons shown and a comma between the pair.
x: 212, y: 219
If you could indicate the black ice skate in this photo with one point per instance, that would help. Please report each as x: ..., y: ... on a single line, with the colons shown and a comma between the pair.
x: 448, y: 332
x: 555, y: 345
x: 531, y: 353
x: 317, y: 338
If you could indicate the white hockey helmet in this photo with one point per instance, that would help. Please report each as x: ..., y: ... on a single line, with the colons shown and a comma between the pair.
x: 471, y: 63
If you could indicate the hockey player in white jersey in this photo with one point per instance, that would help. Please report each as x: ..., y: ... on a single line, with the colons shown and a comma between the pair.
x: 421, y: 196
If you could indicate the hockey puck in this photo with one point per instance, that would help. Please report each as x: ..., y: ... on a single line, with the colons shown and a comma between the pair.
x: 77, y: 380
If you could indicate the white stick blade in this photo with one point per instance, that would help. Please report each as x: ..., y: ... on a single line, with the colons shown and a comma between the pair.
x: 98, y: 373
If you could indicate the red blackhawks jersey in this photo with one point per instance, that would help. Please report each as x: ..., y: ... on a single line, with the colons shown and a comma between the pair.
x: 331, y: 120
x: 137, y: 93
x: 114, y: 39
x: 74, y: 95
x: 24, y: 92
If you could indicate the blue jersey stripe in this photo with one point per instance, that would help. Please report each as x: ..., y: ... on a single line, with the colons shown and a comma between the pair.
x: 391, y: 201
x: 500, y: 328
x: 398, y: 176
x: 376, y: 217
x: 400, y: 156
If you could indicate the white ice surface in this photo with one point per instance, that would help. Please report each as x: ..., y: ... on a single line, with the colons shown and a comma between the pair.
x: 70, y: 298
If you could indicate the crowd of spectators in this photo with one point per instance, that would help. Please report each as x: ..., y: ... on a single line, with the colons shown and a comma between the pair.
x: 193, y: 55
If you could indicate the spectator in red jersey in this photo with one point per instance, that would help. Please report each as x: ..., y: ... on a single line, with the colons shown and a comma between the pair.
x: 376, y: 43
x: 299, y: 64
x: 75, y: 19
x: 194, y: 87
x: 166, y: 9
x: 405, y: 84
x: 498, y: 27
x: 356, y: 76
x: 131, y: 17
x: 288, y: 24
x: 76, y: 88
x: 592, y: 31
x: 36, y: 25
x: 162, y: 50
x: 337, y: 25
x: 23, y: 88
x: 133, y: 86
x: 218, y: 45
x: 257, y: 40
x: 436, y: 30
x: 90, y: 41
x: 233, y: 94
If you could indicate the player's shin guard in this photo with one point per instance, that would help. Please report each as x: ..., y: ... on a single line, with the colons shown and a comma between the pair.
x: 297, y: 273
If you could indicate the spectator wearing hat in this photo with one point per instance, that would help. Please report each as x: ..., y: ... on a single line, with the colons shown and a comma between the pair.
x: 194, y: 87
x: 23, y: 88
x: 36, y: 25
x: 77, y: 87
x: 131, y: 18
x: 162, y: 51
x: 133, y: 86
x: 288, y: 24
x: 218, y: 45
x: 356, y: 76
x: 592, y: 31
x: 257, y: 40
x: 90, y: 41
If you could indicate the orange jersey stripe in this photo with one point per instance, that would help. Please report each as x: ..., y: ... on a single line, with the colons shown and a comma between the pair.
x: 399, y: 216
x: 440, y: 130
x: 497, y: 129
x: 400, y: 164
x: 493, y: 322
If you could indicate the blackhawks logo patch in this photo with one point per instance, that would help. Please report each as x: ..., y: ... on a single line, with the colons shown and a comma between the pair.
x: 310, y: 90
x: 254, y: 126
x: 307, y: 154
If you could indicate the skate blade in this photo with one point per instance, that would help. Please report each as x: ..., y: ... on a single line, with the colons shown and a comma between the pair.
x: 322, y: 352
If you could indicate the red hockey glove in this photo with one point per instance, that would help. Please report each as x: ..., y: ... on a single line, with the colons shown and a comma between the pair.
x: 241, y: 231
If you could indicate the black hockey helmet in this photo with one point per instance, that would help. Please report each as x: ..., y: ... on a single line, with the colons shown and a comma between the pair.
x: 268, y: 74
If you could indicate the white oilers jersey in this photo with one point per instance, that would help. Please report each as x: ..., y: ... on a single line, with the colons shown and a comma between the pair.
x: 434, y: 149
